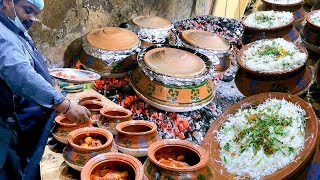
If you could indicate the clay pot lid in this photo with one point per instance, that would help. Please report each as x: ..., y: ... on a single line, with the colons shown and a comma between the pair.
x: 153, y: 22
x: 174, y: 62
x: 205, y: 40
x: 112, y: 39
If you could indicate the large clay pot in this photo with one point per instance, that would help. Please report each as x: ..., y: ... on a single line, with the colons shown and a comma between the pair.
x: 114, y: 161
x: 310, y: 34
x: 111, y: 117
x: 217, y: 48
x: 77, y: 156
x: 110, y: 51
x: 194, y: 155
x: 172, y: 97
x: 62, y: 128
x: 94, y: 107
x: 296, y: 8
x: 151, y: 29
x: 287, y: 31
x: 175, y: 79
x: 134, y: 137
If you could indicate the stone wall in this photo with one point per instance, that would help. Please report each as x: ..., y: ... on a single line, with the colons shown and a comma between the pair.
x: 64, y: 22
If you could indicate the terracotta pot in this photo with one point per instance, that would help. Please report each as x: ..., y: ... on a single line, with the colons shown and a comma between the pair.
x: 77, y: 156
x: 296, y: 8
x: 217, y: 48
x: 94, y: 107
x: 89, y: 97
x: 287, y: 32
x: 242, y: 64
x: 62, y: 128
x: 114, y: 161
x: 287, y: 172
x: 111, y: 117
x: 172, y: 97
x: 297, y: 83
x: 310, y: 32
x: 194, y: 155
x: 151, y: 30
x: 134, y: 137
x: 110, y: 51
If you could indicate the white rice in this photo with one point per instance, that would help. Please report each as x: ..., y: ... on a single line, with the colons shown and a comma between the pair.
x: 315, y: 18
x: 283, y: 1
x: 257, y: 163
x: 275, y: 55
x: 268, y: 19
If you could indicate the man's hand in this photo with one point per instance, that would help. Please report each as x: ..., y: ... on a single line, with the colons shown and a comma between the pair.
x: 74, y: 112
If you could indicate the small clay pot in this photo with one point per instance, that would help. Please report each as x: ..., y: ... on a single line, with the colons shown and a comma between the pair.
x: 287, y: 32
x: 77, y: 156
x: 62, y: 128
x: 111, y: 117
x: 94, y: 107
x: 310, y: 32
x: 194, y: 155
x: 114, y: 161
x: 134, y: 137
x: 91, y: 97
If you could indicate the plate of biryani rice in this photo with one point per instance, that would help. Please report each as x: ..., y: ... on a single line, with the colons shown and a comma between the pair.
x: 265, y: 136
x: 268, y: 20
x: 270, y: 57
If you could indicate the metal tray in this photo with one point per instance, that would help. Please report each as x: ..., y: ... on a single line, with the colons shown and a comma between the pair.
x: 74, y: 75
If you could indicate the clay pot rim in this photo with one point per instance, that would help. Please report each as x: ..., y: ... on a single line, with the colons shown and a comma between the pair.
x: 268, y: 29
x: 275, y: 4
x: 103, y: 132
x: 278, y: 73
x: 309, y: 16
x: 203, y: 155
x: 133, y: 162
x: 61, y: 117
x: 95, y: 102
x: 106, y: 109
x: 124, y: 124
x: 82, y: 97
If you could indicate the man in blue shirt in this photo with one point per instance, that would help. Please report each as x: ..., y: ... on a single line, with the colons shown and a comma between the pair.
x: 27, y: 96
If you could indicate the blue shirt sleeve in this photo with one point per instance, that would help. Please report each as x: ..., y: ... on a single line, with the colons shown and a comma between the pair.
x: 17, y: 71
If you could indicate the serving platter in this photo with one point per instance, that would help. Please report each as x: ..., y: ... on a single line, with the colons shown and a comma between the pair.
x: 311, y: 137
x: 74, y: 75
